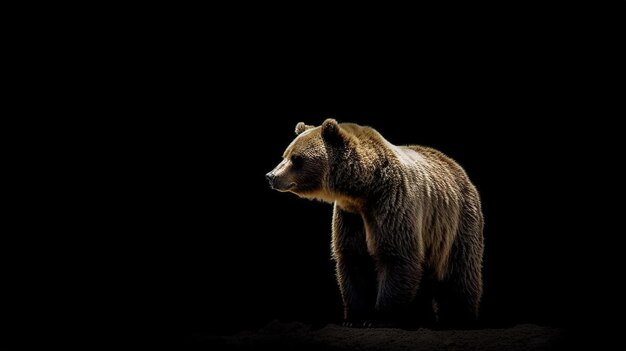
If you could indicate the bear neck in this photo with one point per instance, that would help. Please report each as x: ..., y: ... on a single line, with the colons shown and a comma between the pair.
x: 363, y: 184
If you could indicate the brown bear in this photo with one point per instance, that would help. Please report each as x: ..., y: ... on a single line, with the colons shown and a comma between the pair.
x: 407, y: 229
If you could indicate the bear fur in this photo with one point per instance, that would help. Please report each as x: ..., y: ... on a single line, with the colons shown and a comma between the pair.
x: 407, y: 227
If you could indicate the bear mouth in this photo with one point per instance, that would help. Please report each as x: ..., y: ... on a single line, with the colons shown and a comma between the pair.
x: 287, y: 188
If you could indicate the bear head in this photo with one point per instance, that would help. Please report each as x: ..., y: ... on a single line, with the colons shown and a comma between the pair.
x: 310, y: 158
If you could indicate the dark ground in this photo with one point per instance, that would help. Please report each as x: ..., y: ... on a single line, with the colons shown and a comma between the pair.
x: 298, y: 336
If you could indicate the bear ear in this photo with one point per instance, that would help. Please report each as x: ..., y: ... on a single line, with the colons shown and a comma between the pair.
x: 332, y: 132
x: 301, y: 127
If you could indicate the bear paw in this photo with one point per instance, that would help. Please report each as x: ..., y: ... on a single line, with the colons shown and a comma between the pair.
x: 358, y: 324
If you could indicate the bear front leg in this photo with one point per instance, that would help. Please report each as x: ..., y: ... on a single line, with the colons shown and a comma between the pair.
x: 398, y: 282
x: 357, y: 283
x: 395, y: 241
x: 355, y: 269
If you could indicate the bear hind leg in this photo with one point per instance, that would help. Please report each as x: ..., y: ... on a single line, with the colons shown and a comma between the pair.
x: 456, y: 308
x: 458, y: 296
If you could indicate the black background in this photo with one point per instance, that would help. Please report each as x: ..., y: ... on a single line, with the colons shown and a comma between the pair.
x: 214, y: 250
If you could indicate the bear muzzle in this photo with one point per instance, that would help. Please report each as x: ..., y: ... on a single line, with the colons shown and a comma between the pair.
x: 277, y: 183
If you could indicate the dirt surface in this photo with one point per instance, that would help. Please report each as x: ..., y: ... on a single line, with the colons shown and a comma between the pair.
x: 298, y: 336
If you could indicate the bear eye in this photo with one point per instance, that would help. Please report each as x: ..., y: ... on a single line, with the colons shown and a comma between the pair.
x: 296, y: 161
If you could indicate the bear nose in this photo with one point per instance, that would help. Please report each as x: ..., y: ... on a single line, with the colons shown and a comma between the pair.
x: 270, y: 176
